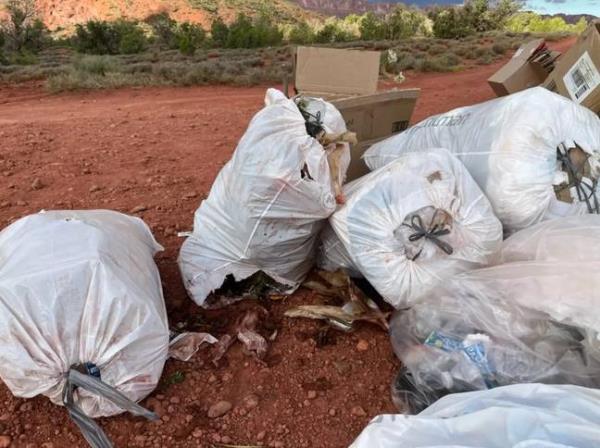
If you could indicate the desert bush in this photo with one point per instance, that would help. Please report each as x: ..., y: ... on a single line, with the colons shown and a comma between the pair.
x: 372, y: 27
x: 164, y: 29
x: 437, y: 49
x: 446, y: 62
x: 534, y: 23
x: 246, y: 33
x: 102, y: 37
x: 96, y: 65
x: 219, y: 32
x: 301, y: 33
x: 189, y: 37
x: 21, y: 29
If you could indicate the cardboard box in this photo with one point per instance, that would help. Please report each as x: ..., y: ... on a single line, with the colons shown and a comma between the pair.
x: 529, y: 67
x: 379, y: 115
x: 349, y: 78
x: 577, y: 74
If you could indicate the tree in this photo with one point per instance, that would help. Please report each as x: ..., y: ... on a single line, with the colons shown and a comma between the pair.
x: 164, y: 29
x: 219, y: 32
x: 301, y: 33
x: 22, y: 30
x: 189, y: 37
x: 371, y: 27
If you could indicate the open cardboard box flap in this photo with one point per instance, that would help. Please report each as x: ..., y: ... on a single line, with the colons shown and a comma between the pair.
x: 529, y: 67
x: 330, y: 71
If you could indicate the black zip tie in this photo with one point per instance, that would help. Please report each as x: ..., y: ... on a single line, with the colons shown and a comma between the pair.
x: 433, y: 234
x: 313, y: 123
x: 580, y: 186
x: 86, y: 376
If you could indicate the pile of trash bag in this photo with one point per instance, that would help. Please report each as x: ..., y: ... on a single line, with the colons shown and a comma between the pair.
x: 82, y: 314
x: 535, y: 154
x: 268, y: 204
x: 522, y: 415
x: 410, y: 225
x: 520, y: 322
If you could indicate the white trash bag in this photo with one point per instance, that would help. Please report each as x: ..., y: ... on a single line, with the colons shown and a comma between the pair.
x: 514, y: 323
x: 410, y: 225
x: 518, y: 416
x: 535, y: 154
x: 573, y: 238
x: 82, y: 315
x: 268, y: 203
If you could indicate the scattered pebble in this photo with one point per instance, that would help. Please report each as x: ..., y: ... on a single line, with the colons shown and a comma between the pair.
x: 250, y: 401
x: 5, y: 441
x: 261, y: 436
x: 219, y: 409
x: 358, y: 411
x: 37, y: 184
x: 312, y: 394
x: 362, y: 346
x: 94, y: 188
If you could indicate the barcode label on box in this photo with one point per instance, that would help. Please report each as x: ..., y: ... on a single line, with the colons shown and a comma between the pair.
x: 582, y: 79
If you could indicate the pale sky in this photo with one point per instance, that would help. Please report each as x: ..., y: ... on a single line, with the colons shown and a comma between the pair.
x: 565, y: 6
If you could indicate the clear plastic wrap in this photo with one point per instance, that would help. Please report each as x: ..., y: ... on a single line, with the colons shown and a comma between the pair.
x: 516, y: 323
x: 410, y: 225
x: 535, y: 154
x: 518, y: 416
x: 268, y: 203
x: 573, y: 238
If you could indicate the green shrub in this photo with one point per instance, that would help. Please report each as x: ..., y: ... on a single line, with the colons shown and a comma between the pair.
x: 164, y: 29
x: 529, y: 22
x: 301, y: 33
x: 189, y: 37
x: 101, y: 37
x: 372, y: 27
x: 245, y: 33
x: 219, y: 32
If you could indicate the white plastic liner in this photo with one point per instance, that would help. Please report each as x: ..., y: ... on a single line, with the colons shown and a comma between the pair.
x: 573, y: 238
x: 268, y: 203
x: 370, y: 233
x: 81, y: 287
x: 518, y: 416
x: 509, y: 145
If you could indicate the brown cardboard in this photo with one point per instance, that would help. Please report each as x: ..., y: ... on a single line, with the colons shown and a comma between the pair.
x: 528, y: 68
x: 379, y: 115
x: 348, y: 78
x: 332, y: 71
x: 358, y: 167
x: 577, y: 73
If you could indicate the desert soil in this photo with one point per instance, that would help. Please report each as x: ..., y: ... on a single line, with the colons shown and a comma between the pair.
x: 155, y: 152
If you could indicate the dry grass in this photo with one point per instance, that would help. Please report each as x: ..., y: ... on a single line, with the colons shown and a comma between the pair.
x: 65, y: 70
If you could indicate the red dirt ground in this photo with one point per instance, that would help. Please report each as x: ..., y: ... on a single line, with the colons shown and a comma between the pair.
x: 160, y: 149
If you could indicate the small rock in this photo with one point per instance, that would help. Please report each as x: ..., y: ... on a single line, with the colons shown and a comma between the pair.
x: 312, y: 394
x: 37, y: 184
x: 197, y: 433
x: 140, y: 439
x: 278, y: 444
x: 362, y: 346
x: 225, y: 439
x: 94, y: 188
x: 25, y: 407
x: 261, y: 436
x: 190, y: 195
x: 212, y: 378
x: 175, y: 400
x: 5, y: 441
x: 189, y: 418
x: 358, y: 411
x: 138, y: 209
x: 306, y: 403
x: 216, y: 437
x: 332, y: 412
x: 219, y: 409
x: 21, y: 203
x: 227, y: 377
x: 250, y: 401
